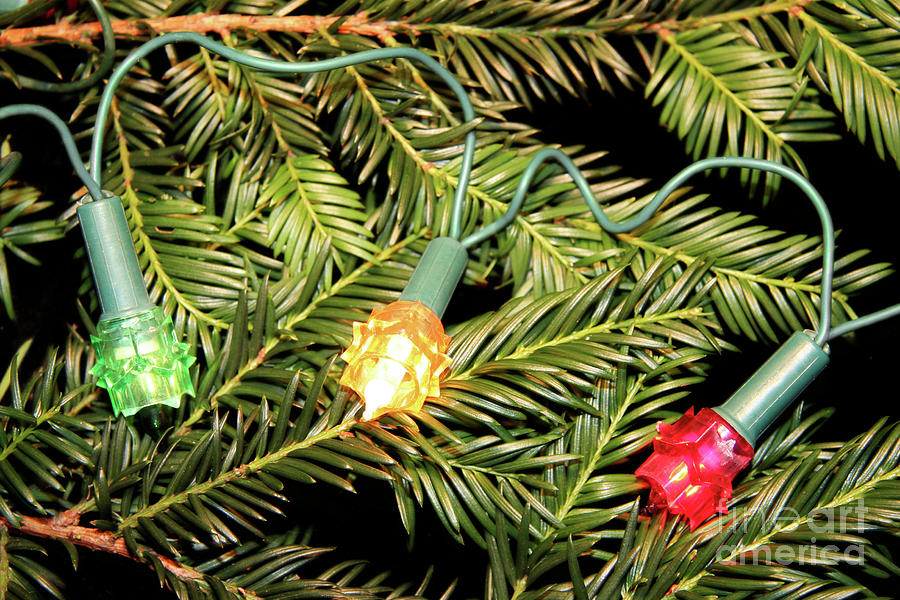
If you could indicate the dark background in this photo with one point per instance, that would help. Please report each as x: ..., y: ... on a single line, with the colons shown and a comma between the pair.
x: 859, y: 187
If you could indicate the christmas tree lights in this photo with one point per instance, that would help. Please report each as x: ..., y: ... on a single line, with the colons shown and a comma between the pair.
x: 140, y: 362
x: 396, y: 358
x: 288, y: 223
x: 695, y: 460
x: 398, y: 355
x: 139, y: 359
x: 693, y: 463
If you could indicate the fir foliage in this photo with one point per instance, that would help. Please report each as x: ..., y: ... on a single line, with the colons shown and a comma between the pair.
x: 271, y: 212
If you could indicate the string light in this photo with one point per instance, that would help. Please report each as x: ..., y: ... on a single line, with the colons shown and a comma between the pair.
x: 693, y: 464
x: 397, y: 357
x: 375, y: 373
x: 140, y: 361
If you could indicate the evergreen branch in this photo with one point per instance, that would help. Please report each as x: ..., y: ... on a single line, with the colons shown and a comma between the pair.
x: 525, y: 358
x: 729, y: 16
x: 721, y: 96
x: 299, y: 190
x: 433, y: 96
x: 688, y: 260
x: 398, y: 138
x: 16, y: 203
x: 356, y: 24
x: 289, y: 322
x: 64, y: 527
x: 846, y: 62
x: 619, y: 27
x: 469, y: 476
x: 763, y: 280
x: 11, y: 445
x: 144, y: 243
x: 36, y: 425
x: 308, y: 202
x: 585, y: 475
x: 708, y: 75
x: 371, y: 130
x: 525, y: 351
x: 239, y: 472
x: 361, y: 24
x: 590, y: 463
x: 252, y: 75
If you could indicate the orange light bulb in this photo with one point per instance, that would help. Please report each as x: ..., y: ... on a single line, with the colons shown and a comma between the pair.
x: 396, y: 358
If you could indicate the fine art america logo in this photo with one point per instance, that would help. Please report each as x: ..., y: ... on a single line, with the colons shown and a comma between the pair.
x: 823, y: 536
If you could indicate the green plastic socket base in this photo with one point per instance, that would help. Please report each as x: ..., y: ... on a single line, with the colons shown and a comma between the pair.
x: 117, y: 274
x: 140, y: 362
x: 436, y: 276
x: 774, y: 386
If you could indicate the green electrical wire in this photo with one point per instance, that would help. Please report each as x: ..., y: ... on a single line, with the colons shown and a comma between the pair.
x: 277, y: 66
x: 106, y: 62
x: 824, y: 332
x: 16, y: 110
x: 647, y: 212
x: 860, y: 322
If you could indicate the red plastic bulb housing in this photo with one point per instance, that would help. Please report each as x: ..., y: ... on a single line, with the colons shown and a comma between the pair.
x: 693, y: 463
x: 396, y: 358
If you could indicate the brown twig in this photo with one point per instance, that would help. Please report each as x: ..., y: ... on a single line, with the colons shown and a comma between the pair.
x: 358, y: 24
x: 200, y: 23
x: 64, y: 526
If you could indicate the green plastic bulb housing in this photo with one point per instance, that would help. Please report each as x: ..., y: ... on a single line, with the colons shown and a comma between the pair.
x: 140, y: 362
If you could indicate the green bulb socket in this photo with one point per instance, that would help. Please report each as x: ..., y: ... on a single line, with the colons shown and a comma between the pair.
x: 436, y: 276
x: 774, y: 386
x: 117, y: 274
x: 140, y: 361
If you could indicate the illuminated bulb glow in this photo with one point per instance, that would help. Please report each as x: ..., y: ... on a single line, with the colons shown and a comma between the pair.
x: 396, y: 358
x: 693, y: 463
x: 387, y: 375
x: 140, y: 362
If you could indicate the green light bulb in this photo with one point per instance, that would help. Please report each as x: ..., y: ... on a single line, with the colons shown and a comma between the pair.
x: 140, y: 362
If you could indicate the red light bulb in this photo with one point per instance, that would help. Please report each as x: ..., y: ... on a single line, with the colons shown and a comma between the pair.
x: 693, y: 463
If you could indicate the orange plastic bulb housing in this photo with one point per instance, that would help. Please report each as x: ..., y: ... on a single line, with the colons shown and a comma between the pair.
x: 396, y: 358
